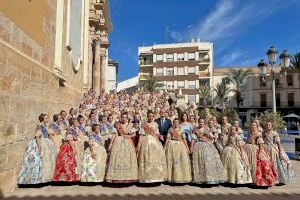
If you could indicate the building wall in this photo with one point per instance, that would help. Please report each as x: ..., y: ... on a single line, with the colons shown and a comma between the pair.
x: 112, y: 73
x: 29, y: 76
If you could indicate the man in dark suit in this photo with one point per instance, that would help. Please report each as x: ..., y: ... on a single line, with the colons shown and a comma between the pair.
x: 163, y: 125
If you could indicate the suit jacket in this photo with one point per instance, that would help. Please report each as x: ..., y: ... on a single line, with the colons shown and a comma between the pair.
x: 163, y: 130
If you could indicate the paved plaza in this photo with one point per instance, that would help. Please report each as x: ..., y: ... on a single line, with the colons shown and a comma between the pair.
x: 141, y: 192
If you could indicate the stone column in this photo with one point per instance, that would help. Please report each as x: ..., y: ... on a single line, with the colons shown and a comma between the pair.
x: 97, y: 67
x: 103, y: 72
x: 90, y: 65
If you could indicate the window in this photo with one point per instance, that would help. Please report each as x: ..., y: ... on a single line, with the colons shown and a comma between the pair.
x: 192, y: 84
x: 159, y: 57
x: 191, y: 70
x: 170, y: 71
x: 291, y: 99
x: 170, y: 85
x: 191, y: 56
x: 170, y: 57
x: 277, y: 83
x: 180, y: 57
x: 203, y: 82
x: 278, y: 99
x: 263, y: 100
x: 289, y: 79
x: 180, y: 71
x: 159, y: 71
x: 191, y: 98
x: 180, y: 84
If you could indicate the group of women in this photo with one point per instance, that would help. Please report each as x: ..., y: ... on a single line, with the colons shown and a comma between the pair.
x: 116, y: 138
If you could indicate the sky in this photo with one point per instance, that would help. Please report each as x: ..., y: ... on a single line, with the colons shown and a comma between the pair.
x: 241, y: 30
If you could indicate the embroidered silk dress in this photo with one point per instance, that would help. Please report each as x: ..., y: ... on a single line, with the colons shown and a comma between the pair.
x: 178, y: 161
x: 106, y: 131
x: 56, y: 137
x: 207, y: 164
x: 262, y: 169
x: 283, y: 165
x: 122, y: 166
x: 224, y: 133
x: 236, y: 162
x: 187, y: 129
x: 38, y: 165
x: 151, y: 159
x: 93, y: 169
x: 80, y: 140
x: 65, y: 169
x: 217, y: 133
x: 31, y: 170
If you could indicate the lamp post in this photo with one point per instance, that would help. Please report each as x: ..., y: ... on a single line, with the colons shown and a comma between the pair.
x: 275, y: 70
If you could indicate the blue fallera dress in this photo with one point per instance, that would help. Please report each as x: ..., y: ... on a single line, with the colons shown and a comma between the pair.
x: 38, y: 166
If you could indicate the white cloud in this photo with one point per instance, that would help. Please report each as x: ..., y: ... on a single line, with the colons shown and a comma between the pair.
x: 229, y: 18
x: 232, y: 57
x: 226, y: 21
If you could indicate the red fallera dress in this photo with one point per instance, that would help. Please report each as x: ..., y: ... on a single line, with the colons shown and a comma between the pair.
x: 65, y: 169
x: 266, y: 174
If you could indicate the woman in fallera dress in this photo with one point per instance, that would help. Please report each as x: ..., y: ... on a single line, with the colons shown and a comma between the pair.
x: 94, y: 162
x: 262, y: 169
x: 187, y: 127
x: 66, y: 165
x: 56, y: 131
x: 79, y: 140
x: 177, y: 154
x: 39, y: 156
x: 122, y: 166
x: 216, y: 132
x: 151, y: 154
x: 277, y: 154
x: 235, y: 159
x: 207, y: 164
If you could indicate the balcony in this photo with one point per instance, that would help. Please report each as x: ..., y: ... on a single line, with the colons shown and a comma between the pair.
x: 204, y: 75
x: 204, y: 60
x: 146, y: 60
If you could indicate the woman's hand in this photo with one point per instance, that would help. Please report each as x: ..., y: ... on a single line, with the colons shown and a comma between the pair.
x: 161, y: 138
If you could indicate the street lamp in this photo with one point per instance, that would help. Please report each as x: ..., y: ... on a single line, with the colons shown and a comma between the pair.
x: 285, y: 59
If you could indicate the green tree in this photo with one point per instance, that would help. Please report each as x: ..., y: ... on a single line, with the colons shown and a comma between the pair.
x: 205, y: 95
x: 238, y: 78
x: 150, y: 84
x: 222, y: 91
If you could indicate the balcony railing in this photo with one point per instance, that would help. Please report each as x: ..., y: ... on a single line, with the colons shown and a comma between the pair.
x: 146, y: 62
x: 205, y: 60
x: 268, y: 104
x: 204, y: 74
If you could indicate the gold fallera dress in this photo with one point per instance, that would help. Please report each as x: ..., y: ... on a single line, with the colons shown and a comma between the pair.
x: 152, y: 159
x: 122, y: 166
x: 178, y: 161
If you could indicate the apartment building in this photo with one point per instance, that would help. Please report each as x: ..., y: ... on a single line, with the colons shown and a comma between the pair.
x: 180, y: 66
x: 257, y: 95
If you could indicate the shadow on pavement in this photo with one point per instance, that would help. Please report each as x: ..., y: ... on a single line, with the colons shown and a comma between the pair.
x: 165, y: 196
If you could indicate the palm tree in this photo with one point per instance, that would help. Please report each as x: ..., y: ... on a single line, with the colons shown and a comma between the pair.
x: 150, y: 84
x: 238, y: 78
x: 205, y: 94
x: 295, y: 60
x: 222, y: 91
